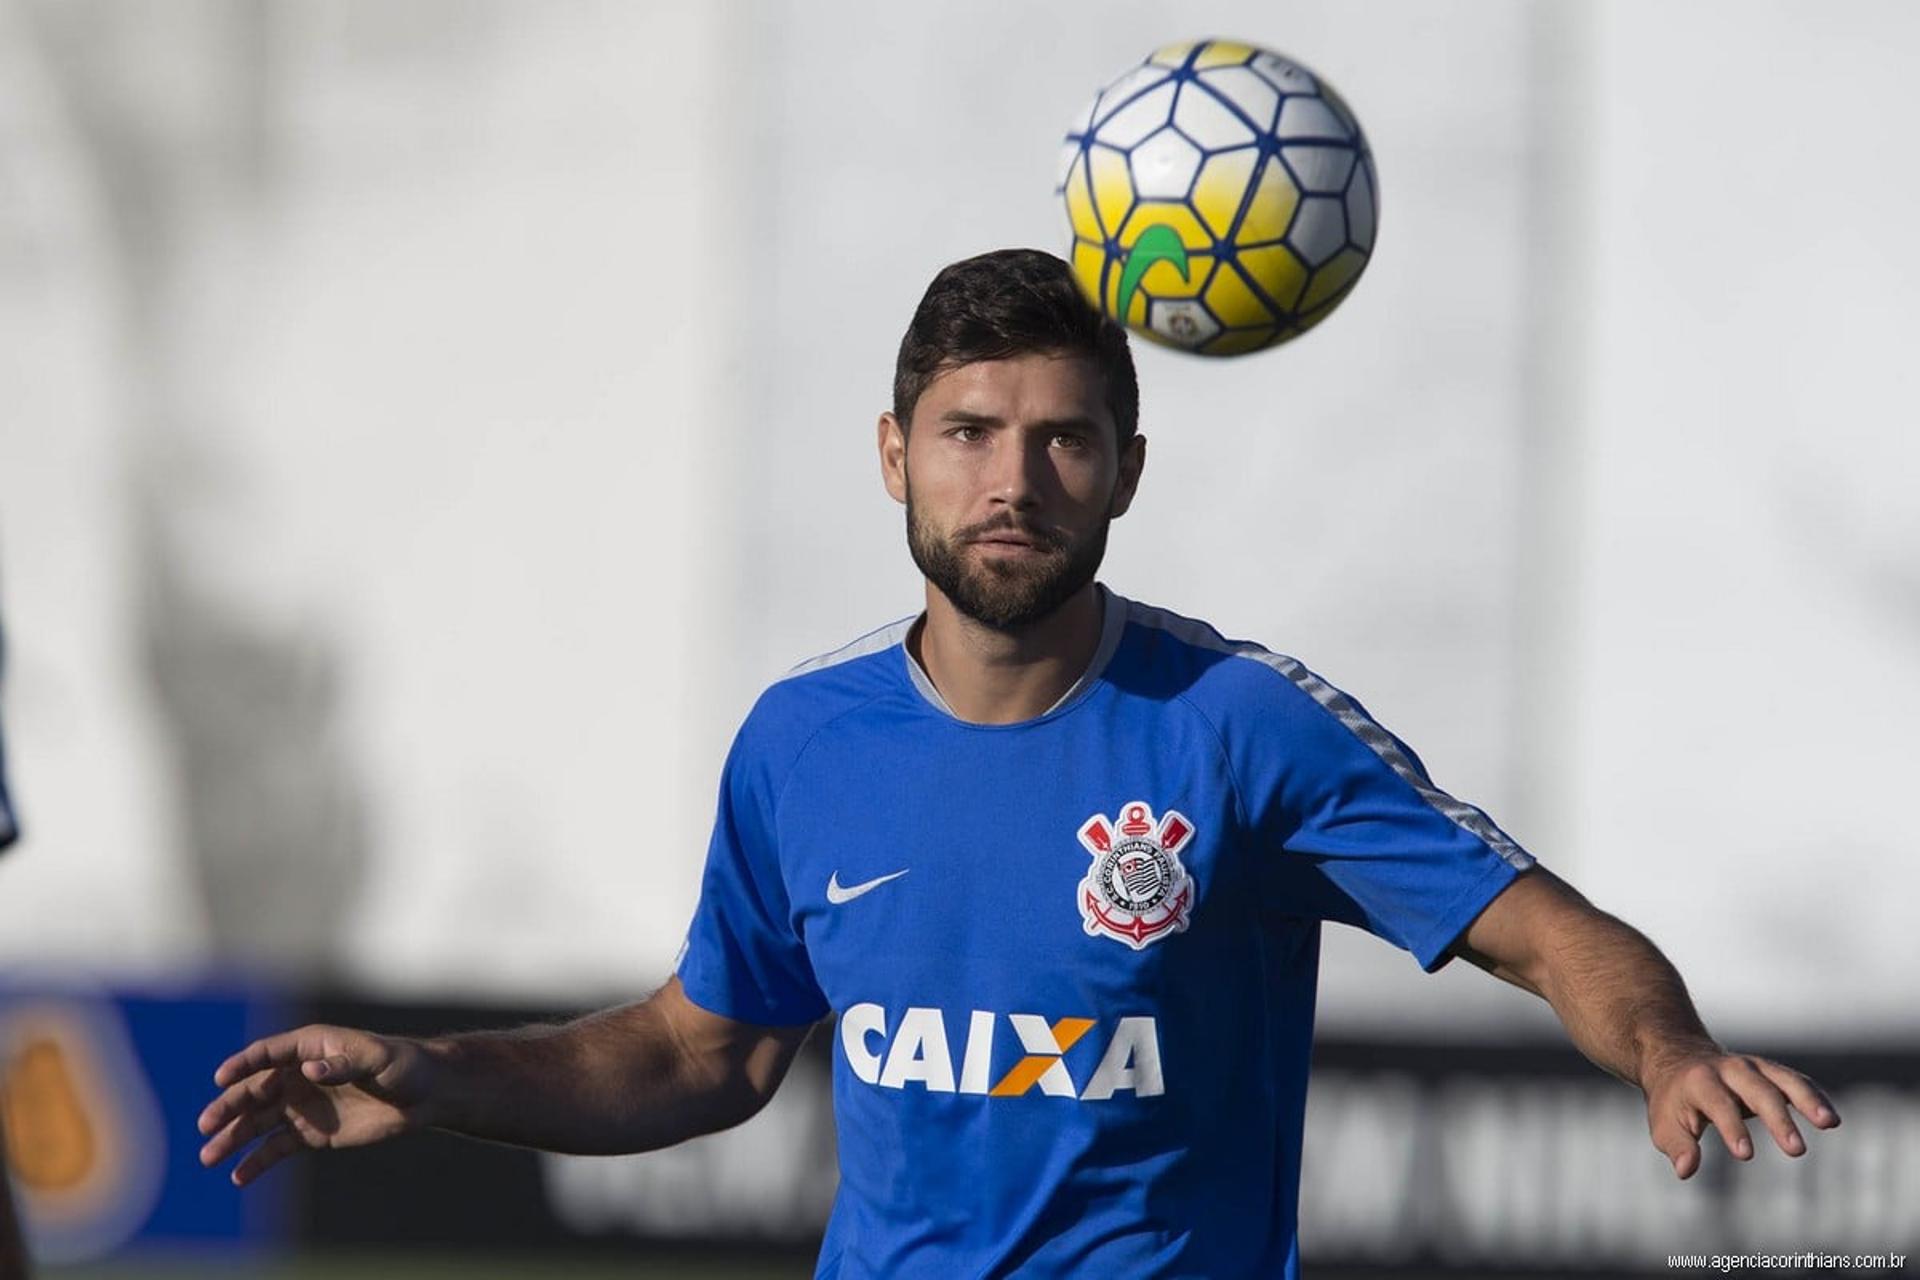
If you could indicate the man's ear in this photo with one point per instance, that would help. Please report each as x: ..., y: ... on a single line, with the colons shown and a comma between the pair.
x: 893, y: 456
x: 1133, y: 460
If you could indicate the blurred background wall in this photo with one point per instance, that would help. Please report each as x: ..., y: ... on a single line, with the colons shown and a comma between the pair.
x: 424, y: 428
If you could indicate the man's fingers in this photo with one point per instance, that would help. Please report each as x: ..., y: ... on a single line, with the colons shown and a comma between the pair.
x: 1678, y: 1146
x: 262, y: 1089
x: 1765, y: 1099
x: 1811, y: 1101
x: 337, y: 1068
x: 261, y: 1054
x: 1719, y: 1105
x: 347, y: 1055
x: 278, y: 1145
x: 284, y: 1050
x: 244, y: 1129
x: 1722, y: 1091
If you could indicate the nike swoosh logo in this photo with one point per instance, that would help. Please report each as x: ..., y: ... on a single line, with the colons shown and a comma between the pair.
x: 837, y: 895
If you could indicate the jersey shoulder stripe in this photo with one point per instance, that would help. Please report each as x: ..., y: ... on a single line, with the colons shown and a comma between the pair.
x: 1350, y: 715
x: 817, y: 693
x: 878, y: 640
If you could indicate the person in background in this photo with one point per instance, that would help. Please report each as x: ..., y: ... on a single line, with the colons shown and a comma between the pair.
x: 13, y: 1249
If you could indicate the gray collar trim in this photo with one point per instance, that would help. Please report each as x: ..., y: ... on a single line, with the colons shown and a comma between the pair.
x: 1113, y: 625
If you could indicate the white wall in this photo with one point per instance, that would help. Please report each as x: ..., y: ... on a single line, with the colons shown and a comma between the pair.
x: 1748, y: 663
x: 504, y: 380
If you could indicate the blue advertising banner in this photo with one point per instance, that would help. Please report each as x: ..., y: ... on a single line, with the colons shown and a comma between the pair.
x: 100, y: 1091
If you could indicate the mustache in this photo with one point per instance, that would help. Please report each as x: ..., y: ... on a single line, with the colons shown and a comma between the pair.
x: 1043, y: 538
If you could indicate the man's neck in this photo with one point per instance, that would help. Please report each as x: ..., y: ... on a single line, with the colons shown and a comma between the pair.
x: 999, y: 677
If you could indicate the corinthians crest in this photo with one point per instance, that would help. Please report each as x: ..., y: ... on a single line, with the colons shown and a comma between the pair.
x: 1136, y: 891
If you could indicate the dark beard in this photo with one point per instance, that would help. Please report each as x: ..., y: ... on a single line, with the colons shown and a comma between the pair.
x: 1003, y: 595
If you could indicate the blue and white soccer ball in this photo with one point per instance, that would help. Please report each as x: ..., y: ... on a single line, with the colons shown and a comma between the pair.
x: 1221, y: 198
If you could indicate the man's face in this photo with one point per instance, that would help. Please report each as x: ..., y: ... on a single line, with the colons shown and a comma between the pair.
x: 1010, y: 474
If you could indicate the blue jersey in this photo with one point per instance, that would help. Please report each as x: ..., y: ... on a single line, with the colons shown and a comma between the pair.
x: 1073, y: 959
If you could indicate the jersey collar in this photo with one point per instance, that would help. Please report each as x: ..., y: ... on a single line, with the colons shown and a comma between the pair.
x: 1113, y: 622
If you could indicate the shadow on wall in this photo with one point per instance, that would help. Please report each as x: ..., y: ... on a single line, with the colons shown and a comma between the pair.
x: 275, y: 826
x: 275, y: 822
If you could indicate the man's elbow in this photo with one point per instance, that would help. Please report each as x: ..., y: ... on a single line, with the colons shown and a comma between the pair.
x: 727, y: 1083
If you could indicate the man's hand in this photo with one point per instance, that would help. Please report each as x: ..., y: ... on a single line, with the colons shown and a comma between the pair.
x: 1627, y: 1009
x: 314, y: 1088
x: 1708, y: 1087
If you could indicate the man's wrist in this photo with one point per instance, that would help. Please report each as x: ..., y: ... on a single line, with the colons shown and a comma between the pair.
x: 443, y: 1103
x: 1661, y: 1054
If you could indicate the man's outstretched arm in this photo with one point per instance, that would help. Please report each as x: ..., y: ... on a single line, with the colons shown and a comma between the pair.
x: 632, y: 1078
x: 1627, y: 1009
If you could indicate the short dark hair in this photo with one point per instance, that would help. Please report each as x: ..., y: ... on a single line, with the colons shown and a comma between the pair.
x: 1007, y: 303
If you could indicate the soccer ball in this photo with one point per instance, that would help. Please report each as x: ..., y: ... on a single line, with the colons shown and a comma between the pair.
x: 1221, y: 198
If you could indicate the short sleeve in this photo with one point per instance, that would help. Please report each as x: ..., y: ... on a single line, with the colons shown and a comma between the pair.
x: 743, y: 959
x: 1364, y: 836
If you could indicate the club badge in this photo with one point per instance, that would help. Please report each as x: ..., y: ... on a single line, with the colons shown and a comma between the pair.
x: 1135, y: 891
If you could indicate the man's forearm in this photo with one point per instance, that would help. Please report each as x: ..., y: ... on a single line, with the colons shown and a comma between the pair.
x: 611, y: 1082
x: 1624, y: 1005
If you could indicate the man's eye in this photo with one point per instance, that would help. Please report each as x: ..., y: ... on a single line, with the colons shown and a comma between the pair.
x: 1069, y: 440
x: 966, y: 434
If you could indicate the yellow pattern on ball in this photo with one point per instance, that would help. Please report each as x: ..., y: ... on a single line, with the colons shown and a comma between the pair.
x: 1271, y: 211
x: 1112, y: 188
x: 1220, y: 187
x: 1229, y: 298
x: 1166, y: 213
x: 1222, y: 53
x: 1333, y: 277
x: 1278, y: 272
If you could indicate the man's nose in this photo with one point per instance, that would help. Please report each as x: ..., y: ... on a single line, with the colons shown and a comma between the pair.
x: 1020, y: 469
